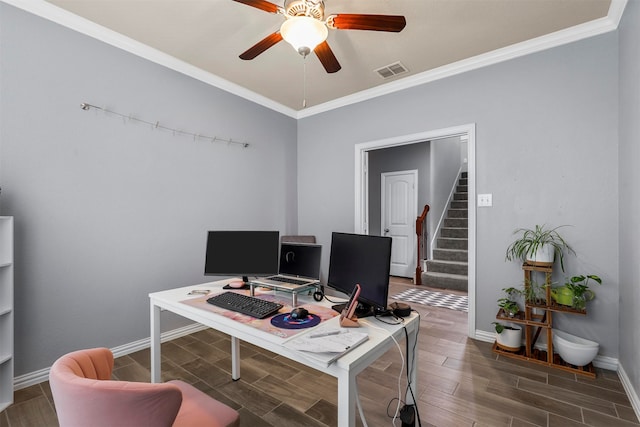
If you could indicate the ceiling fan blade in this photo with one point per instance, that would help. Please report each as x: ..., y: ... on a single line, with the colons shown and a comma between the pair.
x: 349, y: 21
x: 261, y: 46
x: 327, y: 58
x: 260, y: 4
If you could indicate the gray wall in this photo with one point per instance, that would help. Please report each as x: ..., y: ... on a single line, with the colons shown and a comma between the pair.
x: 106, y: 210
x: 629, y: 175
x: 406, y: 157
x: 546, y: 143
x: 445, y: 165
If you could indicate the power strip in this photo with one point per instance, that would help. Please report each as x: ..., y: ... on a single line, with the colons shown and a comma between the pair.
x: 408, y: 416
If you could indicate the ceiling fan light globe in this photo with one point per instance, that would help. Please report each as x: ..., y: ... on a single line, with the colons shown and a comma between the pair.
x: 303, y: 33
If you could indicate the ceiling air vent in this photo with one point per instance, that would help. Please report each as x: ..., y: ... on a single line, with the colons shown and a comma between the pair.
x: 391, y: 70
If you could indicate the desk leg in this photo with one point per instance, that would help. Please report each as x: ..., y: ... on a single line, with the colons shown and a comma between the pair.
x: 413, y: 374
x: 235, y: 358
x: 155, y: 344
x: 346, y: 400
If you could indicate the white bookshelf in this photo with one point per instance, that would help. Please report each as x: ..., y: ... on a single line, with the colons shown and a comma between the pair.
x: 6, y: 311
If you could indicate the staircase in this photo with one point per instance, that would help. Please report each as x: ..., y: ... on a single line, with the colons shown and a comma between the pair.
x: 448, y: 268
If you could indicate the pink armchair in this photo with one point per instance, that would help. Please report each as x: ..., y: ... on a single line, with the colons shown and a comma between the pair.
x: 85, y: 395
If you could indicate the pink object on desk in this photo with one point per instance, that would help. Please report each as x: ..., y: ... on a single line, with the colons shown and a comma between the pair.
x: 236, y: 284
x: 348, y: 318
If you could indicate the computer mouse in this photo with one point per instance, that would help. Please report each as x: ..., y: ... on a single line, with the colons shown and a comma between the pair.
x: 236, y: 284
x: 299, y: 313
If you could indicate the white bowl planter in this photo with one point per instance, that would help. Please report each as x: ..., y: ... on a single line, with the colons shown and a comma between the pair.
x: 574, y: 350
x: 510, y: 338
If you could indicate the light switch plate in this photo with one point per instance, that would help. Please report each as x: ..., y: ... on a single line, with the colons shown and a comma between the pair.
x: 485, y: 200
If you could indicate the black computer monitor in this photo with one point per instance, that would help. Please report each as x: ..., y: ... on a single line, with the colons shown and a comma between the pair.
x: 242, y: 253
x: 362, y: 259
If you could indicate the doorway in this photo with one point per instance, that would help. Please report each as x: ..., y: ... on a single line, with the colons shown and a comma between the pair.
x: 361, y: 211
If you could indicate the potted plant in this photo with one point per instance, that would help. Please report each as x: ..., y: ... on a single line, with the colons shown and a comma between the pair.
x: 508, y: 304
x: 538, y: 245
x: 509, y: 337
x: 575, y: 291
x: 534, y: 293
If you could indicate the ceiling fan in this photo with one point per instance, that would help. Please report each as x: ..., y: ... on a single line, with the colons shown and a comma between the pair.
x: 306, y: 28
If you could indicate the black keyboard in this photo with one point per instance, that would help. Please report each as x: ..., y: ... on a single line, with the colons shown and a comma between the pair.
x: 289, y: 280
x: 251, y: 306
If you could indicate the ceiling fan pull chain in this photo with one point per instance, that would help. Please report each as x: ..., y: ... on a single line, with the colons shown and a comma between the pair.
x: 304, y: 82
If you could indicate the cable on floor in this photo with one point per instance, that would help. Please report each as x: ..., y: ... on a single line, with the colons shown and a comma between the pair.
x: 409, y: 368
x: 402, y: 359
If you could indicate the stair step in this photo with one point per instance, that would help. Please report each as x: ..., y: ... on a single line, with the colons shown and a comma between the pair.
x: 445, y: 281
x: 450, y: 267
x: 452, y: 243
x: 457, y: 213
x: 461, y: 233
x: 456, y: 222
x: 459, y: 204
x: 451, y: 254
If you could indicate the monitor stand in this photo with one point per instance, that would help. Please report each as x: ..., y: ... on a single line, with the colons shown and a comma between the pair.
x: 362, y: 310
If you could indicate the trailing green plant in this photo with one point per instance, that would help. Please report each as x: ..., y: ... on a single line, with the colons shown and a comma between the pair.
x: 531, y: 240
x: 534, y: 293
x: 512, y: 293
x: 579, y: 285
x: 510, y: 308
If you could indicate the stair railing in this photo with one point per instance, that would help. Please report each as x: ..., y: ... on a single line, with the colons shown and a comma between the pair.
x: 421, y: 234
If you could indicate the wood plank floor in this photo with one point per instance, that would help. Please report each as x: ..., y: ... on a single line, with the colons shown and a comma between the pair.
x: 460, y: 383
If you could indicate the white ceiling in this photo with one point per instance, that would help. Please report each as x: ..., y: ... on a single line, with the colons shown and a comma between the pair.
x: 203, y: 38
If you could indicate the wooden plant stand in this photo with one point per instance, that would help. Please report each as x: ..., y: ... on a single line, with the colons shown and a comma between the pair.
x: 537, y: 324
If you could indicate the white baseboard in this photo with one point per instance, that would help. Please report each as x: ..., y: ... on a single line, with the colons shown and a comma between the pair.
x: 632, y: 394
x: 484, y: 336
x: 42, y: 375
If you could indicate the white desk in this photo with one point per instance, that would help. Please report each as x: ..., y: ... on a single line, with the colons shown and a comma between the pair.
x: 345, y: 369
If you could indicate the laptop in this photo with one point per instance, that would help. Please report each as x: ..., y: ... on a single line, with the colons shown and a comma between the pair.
x: 299, y: 266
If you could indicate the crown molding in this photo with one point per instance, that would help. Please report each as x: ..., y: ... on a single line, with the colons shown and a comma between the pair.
x: 60, y: 16
x: 74, y: 22
x: 548, y: 41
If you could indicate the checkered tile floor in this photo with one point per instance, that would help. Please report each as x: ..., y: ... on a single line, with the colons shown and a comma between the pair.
x: 434, y: 299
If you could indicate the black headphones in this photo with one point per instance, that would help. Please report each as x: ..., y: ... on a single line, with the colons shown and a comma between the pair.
x: 401, y: 309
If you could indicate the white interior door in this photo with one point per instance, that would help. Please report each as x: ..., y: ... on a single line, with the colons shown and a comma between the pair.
x: 399, y: 212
